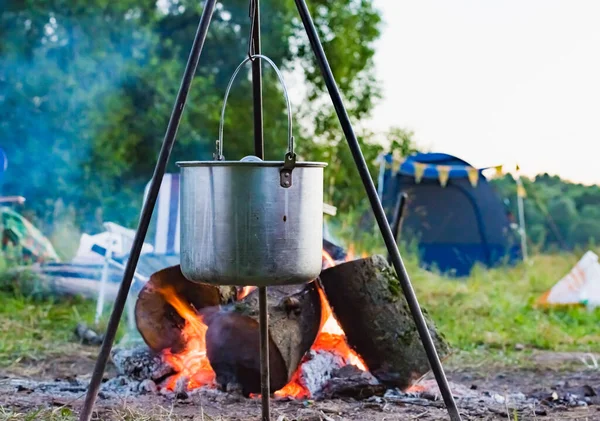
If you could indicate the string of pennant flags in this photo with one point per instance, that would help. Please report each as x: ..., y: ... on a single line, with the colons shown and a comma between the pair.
x: 391, y: 164
x: 443, y: 172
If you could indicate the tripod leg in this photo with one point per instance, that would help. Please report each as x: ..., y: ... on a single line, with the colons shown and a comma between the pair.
x: 147, y: 210
x: 259, y: 151
x: 382, y: 221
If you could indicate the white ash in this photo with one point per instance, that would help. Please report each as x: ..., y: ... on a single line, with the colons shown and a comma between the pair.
x: 466, y: 398
x: 147, y: 387
x: 140, y: 363
x: 121, y: 385
x: 181, y: 388
x: 181, y: 391
x: 317, y: 370
x: 115, y: 388
x: 56, y: 387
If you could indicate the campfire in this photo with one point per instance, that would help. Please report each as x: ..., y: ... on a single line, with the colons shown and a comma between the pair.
x: 209, y: 337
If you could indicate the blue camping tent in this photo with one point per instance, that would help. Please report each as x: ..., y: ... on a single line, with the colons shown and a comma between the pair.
x: 452, y: 212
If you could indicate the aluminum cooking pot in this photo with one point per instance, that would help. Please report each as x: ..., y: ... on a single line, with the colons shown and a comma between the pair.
x: 251, y: 222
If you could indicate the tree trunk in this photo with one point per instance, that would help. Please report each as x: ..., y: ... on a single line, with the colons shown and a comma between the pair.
x: 368, y: 302
x: 233, y: 336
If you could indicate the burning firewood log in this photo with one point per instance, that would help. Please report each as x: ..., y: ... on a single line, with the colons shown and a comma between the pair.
x: 158, y: 322
x: 367, y: 301
x: 188, y: 322
x: 232, y: 338
x: 233, y: 347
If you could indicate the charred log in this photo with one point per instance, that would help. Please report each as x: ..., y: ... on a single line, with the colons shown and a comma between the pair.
x: 351, y: 382
x: 367, y: 300
x: 233, y: 346
x: 232, y: 338
x: 159, y: 324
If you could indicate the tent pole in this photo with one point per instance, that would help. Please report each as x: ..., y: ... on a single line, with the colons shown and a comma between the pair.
x: 522, y: 232
x: 398, y: 218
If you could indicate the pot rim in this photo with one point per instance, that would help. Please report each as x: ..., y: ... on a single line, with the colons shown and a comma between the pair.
x: 301, y: 164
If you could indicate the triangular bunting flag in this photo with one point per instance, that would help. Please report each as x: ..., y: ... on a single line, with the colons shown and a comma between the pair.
x: 517, y: 167
x: 443, y: 174
x: 397, y: 155
x: 397, y: 164
x: 473, y: 174
x: 499, y: 170
x: 419, y: 171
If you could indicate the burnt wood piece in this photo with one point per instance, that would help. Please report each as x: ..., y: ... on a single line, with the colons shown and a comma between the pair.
x: 351, y: 382
x: 232, y: 338
x: 232, y: 347
x: 367, y: 300
x: 158, y: 322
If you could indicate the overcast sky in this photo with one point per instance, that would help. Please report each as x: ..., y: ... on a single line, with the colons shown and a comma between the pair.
x: 496, y: 81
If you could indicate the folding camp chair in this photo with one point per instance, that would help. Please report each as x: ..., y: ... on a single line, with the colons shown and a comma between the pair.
x: 161, y: 252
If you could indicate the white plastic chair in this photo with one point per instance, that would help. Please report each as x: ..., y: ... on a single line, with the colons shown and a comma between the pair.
x: 165, y: 241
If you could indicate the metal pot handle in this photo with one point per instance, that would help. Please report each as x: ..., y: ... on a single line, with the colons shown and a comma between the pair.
x: 290, y: 156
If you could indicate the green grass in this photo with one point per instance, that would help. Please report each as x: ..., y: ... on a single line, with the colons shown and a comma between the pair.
x: 496, y: 309
x: 57, y: 414
x: 124, y: 413
x: 36, y: 325
x: 33, y: 328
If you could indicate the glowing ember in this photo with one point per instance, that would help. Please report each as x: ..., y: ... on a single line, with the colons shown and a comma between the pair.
x: 416, y: 388
x: 193, y: 367
x: 192, y: 364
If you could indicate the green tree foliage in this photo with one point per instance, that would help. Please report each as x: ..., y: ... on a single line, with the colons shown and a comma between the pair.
x: 58, y: 58
x: 87, y: 87
x: 558, y: 214
x: 358, y: 225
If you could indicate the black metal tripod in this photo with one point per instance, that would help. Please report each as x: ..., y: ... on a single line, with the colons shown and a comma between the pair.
x: 359, y: 159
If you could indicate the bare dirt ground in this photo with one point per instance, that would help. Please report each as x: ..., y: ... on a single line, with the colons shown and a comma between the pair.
x: 540, y: 381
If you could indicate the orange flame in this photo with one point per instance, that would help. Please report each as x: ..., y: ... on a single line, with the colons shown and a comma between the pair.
x: 328, y: 259
x: 350, y: 253
x: 193, y: 367
x: 416, y: 388
x: 192, y: 364
x: 244, y: 291
x: 331, y: 338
